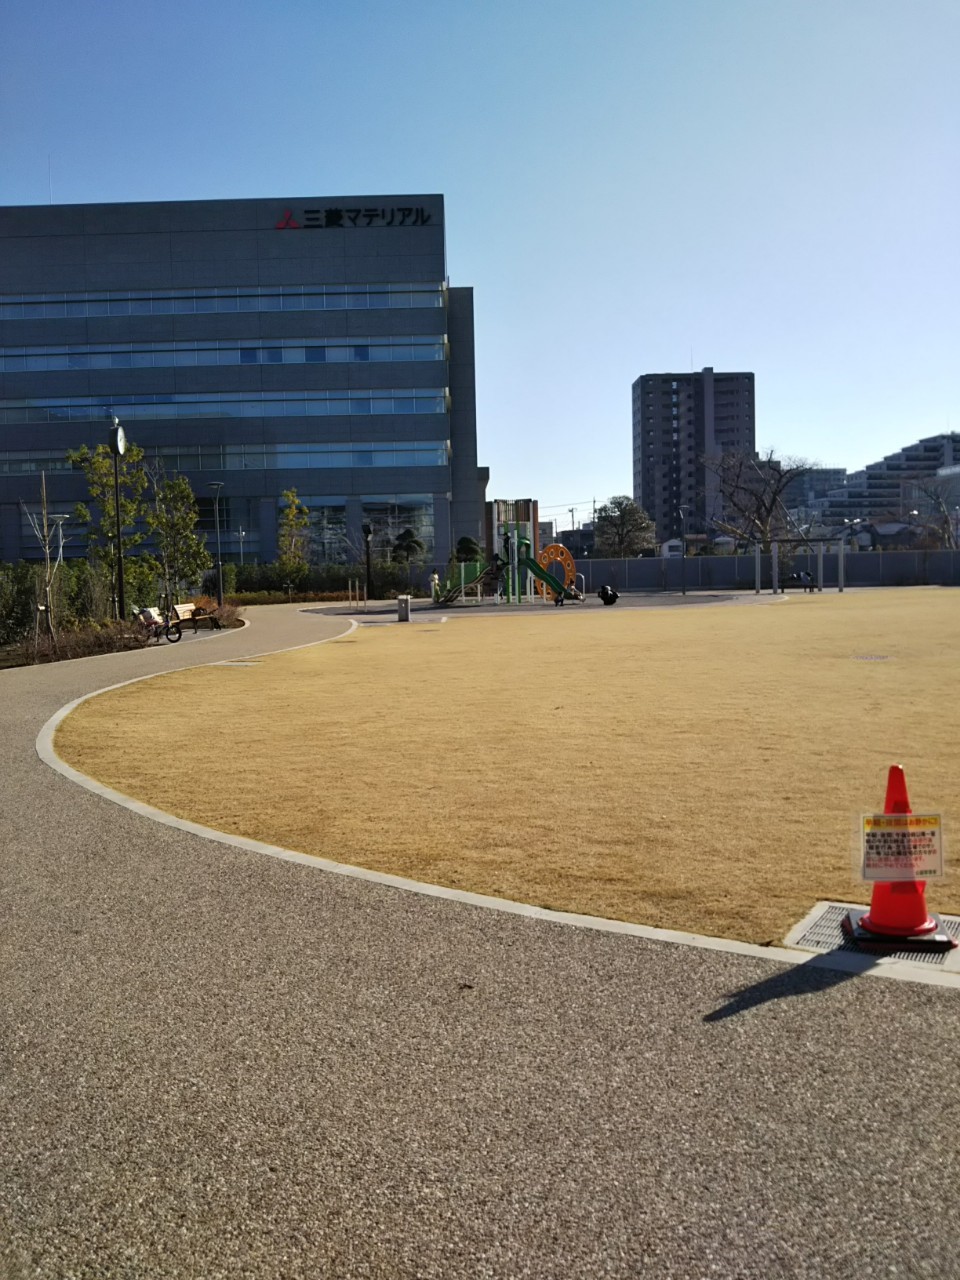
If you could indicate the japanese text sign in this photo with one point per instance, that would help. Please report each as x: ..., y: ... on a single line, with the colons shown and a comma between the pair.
x: 902, y: 846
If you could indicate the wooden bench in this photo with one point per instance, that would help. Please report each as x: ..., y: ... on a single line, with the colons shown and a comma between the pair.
x: 192, y: 613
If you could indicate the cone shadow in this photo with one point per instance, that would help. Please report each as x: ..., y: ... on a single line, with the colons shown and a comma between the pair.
x: 811, y: 978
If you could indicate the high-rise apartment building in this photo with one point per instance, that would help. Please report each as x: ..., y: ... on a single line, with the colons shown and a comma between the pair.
x: 261, y: 345
x: 682, y: 422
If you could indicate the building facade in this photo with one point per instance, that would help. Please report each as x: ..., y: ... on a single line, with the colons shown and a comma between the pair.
x: 682, y: 422
x: 261, y: 345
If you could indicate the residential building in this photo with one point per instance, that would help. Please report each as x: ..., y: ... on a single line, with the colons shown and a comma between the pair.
x: 683, y: 423
x: 262, y: 345
x: 894, y: 488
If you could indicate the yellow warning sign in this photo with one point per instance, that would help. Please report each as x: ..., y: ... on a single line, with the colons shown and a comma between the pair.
x: 902, y: 846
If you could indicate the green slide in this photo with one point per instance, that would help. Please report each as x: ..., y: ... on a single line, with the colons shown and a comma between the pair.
x: 469, y: 580
x: 554, y: 584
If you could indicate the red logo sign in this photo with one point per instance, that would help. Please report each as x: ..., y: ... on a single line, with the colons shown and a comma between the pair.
x: 288, y: 222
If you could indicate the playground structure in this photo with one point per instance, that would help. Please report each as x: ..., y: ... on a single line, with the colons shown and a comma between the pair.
x: 515, y: 575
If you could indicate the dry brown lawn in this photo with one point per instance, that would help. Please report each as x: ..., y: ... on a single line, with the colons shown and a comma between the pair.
x: 692, y: 768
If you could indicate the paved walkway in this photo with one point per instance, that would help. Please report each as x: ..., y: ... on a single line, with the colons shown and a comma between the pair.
x: 217, y: 1064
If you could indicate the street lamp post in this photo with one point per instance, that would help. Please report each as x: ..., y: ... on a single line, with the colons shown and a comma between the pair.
x: 118, y: 445
x: 367, y: 532
x: 683, y: 550
x: 241, y: 533
x: 851, y: 526
x: 216, y: 486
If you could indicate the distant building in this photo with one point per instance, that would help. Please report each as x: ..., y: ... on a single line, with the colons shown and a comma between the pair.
x: 257, y: 345
x: 681, y: 421
x: 892, y: 489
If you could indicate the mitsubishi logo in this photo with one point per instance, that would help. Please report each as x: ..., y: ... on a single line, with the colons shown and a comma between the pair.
x: 287, y: 222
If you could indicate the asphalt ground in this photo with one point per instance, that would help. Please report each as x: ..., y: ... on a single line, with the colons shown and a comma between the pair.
x: 219, y: 1064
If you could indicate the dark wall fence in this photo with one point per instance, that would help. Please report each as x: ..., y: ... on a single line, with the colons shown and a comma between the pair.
x: 738, y: 573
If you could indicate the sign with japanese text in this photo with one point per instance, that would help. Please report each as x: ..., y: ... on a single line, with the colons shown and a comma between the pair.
x: 336, y: 218
x: 902, y: 846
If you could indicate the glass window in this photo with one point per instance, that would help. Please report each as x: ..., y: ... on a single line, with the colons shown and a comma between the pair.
x: 291, y: 302
x: 120, y: 360
x: 118, y: 307
x: 75, y: 309
x: 206, y: 357
x: 248, y: 302
x: 337, y: 355
x: 206, y: 304
x: 249, y: 355
x: 272, y: 355
x: 361, y: 353
x: 315, y: 355
x: 162, y: 306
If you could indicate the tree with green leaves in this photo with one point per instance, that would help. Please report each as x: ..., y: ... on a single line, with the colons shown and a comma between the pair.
x: 100, y: 518
x: 293, y: 538
x: 407, y: 546
x: 468, y: 550
x: 622, y: 529
x: 172, y: 519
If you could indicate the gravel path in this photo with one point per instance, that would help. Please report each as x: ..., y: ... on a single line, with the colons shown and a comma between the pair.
x: 217, y: 1064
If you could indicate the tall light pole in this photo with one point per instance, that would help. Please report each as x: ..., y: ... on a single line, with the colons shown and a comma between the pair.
x: 118, y: 446
x: 367, y: 532
x: 242, y: 533
x: 683, y: 550
x: 216, y: 486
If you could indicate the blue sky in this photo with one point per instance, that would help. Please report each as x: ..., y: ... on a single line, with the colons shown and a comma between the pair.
x: 636, y: 187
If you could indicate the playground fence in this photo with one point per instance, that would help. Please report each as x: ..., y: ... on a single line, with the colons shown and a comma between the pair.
x: 738, y: 573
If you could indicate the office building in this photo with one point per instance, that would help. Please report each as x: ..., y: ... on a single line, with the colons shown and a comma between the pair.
x: 265, y: 345
x: 682, y: 422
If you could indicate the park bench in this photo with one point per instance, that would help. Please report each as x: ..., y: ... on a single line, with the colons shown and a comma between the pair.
x: 804, y: 580
x: 196, y: 614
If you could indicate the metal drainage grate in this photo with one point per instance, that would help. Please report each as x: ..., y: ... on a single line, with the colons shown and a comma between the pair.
x: 823, y: 931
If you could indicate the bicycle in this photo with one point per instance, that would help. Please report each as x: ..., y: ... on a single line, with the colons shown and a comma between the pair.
x: 159, y: 625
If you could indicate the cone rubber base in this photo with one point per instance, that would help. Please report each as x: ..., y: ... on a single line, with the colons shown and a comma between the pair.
x: 936, y: 940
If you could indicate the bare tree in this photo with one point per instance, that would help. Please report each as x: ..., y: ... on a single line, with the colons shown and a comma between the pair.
x: 752, y: 496
x: 935, y: 492
x: 44, y: 535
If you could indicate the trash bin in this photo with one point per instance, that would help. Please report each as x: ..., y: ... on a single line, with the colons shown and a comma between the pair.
x: 403, y: 608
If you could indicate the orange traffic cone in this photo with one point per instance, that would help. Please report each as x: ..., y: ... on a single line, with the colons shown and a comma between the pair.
x: 898, y: 919
x: 898, y: 909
